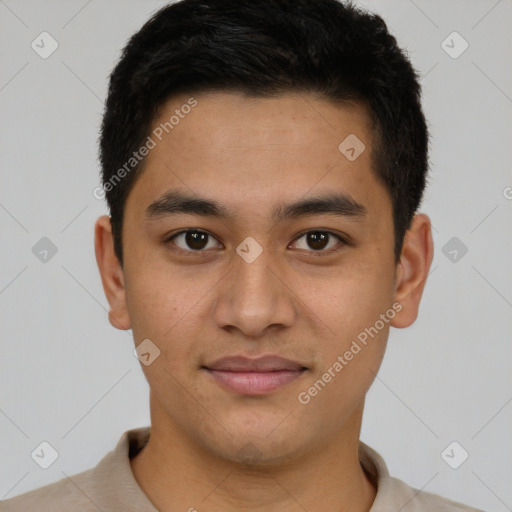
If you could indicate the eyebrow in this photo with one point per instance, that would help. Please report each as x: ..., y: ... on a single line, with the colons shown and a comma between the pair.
x: 175, y: 202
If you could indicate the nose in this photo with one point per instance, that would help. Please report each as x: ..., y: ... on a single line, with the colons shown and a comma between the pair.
x: 255, y: 297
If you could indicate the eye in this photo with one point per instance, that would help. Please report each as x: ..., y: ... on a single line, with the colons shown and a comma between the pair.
x: 319, y: 240
x: 192, y: 240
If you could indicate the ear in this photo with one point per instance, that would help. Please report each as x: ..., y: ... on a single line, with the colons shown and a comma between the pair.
x: 111, y: 273
x: 412, y: 270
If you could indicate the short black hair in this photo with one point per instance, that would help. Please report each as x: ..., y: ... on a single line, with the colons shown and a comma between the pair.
x: 262, y: 49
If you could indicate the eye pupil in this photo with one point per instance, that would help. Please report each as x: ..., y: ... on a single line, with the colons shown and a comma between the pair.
x: 317, y: 239
x: 196, y: 240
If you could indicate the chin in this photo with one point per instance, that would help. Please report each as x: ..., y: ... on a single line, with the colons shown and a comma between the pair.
x: 260, y: 450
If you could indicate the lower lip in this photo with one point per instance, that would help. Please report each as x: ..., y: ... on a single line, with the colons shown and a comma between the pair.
x: 254, y: 383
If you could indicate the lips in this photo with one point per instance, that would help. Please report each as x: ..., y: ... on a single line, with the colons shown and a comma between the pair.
x: 261, y: 364
x: 259, y: 376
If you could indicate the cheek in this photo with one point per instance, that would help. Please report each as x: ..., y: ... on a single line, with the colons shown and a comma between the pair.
x: 162, y: 300
x: 347, y: 364
x: 351, y: 297
x: 356, y: 306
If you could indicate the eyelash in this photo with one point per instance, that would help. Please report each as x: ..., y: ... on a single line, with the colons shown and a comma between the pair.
x: 203, y: 252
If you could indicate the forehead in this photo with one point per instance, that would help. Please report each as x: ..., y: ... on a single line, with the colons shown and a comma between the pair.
x: 251, y: 153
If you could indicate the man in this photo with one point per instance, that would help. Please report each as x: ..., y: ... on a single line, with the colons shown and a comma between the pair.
x: 263, y: 163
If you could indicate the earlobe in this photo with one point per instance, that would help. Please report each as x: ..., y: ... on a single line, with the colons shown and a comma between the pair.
x: 413, y: 269
x: 111, y: 273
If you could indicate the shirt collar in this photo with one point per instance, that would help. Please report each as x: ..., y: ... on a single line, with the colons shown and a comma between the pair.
x: 115, y: 469
x: 113, y: 479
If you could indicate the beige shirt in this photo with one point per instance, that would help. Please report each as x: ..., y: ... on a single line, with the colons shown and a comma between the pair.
x: 111, y: 486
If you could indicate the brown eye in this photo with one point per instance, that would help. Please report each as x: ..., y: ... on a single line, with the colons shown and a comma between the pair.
x: 192, y: 240
x: 319, y: 240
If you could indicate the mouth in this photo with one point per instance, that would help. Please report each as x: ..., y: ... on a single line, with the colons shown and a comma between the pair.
x: 254, y: 377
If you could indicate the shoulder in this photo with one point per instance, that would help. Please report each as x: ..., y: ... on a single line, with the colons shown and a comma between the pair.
x: 69, y: 493
x: 394, y: 494
x: 415, y: 500
x: 110, y: 485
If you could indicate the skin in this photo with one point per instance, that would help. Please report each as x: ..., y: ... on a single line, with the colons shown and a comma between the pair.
x: 297, y: 300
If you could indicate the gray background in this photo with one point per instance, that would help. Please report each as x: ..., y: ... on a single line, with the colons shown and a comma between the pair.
x: 69, y: 378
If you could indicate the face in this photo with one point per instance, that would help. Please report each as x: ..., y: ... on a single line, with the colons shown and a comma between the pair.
x: 286, y: 251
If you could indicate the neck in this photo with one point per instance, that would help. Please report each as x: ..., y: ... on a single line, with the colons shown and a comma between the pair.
x: 178, y: 474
